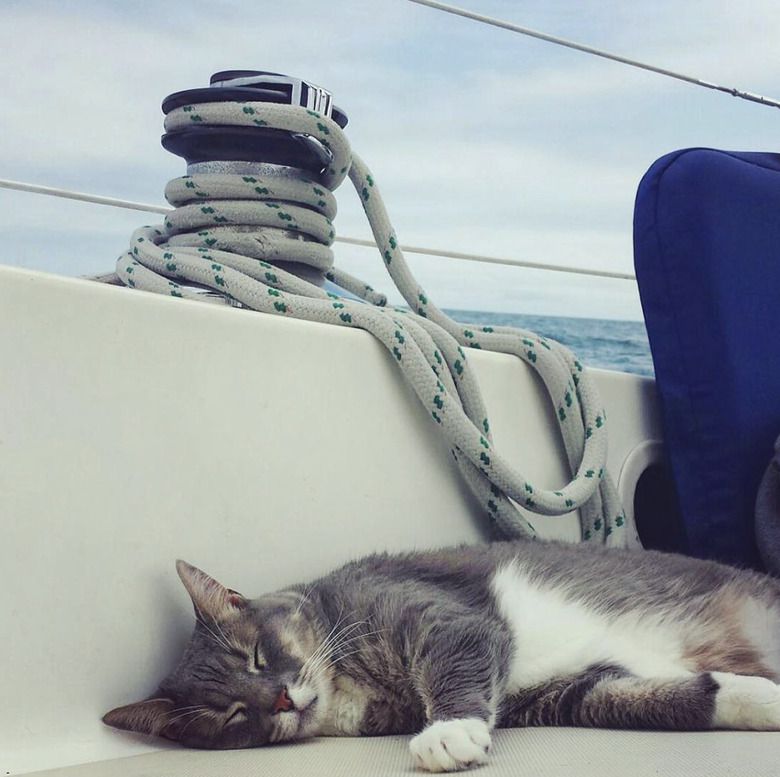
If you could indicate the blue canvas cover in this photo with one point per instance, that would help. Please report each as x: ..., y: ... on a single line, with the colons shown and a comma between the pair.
x: 707, y: 257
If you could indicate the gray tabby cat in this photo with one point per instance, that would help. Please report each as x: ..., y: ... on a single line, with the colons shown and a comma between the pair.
x: 449, y: 644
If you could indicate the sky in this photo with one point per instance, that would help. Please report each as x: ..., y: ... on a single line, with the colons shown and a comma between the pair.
x: 479, y: 139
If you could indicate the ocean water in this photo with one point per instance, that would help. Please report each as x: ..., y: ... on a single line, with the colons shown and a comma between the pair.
x: 610, y: 345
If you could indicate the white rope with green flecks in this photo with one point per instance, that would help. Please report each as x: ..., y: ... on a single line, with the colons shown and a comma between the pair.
x: 227, y: 233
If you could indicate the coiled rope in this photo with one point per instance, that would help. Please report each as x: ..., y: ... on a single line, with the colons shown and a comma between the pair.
x: 227, y: 233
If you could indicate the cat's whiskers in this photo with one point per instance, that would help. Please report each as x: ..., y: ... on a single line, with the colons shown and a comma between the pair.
x: 304, y: 598
x: 330, y: 643
x: 342, y: 637
x: 361, y: 636
x: 222, y: 634
x: 335, y: 627
x: 310, y: 671
x: 202, y: 620
x: 311, y: 668
x: 184, y: 712
x: 328, y: 658
x: 222, y: 641
x: 190, y: 707
x: 203, y: 714
x: 345, y: 655
x: 323, y: 646
x: 339, y: 658
x: 334, y: 639
x: 324, y: 641
x: 219, y: 642
x: 314, y: 663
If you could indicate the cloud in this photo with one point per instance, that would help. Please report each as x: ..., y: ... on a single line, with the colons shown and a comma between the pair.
x: 480, y: 140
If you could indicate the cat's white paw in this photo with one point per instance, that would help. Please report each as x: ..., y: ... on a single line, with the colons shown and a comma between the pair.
x: 451, y: 745
x: 746, y: 702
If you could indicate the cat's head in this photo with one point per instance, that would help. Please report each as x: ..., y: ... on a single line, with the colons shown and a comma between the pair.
x: 251, y: 674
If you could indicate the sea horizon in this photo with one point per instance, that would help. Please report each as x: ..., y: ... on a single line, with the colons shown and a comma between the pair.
x: 610, y: 344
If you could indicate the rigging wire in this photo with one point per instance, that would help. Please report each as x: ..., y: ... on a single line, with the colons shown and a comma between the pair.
x: 51, y: 191
x: 756, y: 98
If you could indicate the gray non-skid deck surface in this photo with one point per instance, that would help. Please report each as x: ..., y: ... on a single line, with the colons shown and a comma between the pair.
x: 518, y: 753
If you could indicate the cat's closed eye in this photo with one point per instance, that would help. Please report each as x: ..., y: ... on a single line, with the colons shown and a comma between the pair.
x: 259, y: 660
x: 237, y: 714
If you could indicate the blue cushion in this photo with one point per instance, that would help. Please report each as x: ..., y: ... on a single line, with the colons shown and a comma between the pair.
x: 707, y: 257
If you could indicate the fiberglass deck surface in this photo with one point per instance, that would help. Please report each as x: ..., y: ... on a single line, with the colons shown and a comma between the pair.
x: 519, y: 753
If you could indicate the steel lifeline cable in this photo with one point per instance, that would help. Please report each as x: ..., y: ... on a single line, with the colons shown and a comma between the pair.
x: 265, y: 153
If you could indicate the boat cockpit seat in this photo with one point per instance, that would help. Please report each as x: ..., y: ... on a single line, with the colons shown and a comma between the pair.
x: 707, y: 256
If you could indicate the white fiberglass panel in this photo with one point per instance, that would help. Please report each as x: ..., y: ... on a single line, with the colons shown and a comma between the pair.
x: 137, y: 429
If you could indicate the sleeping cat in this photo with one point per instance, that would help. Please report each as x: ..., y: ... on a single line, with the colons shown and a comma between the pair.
x: 449, y: 644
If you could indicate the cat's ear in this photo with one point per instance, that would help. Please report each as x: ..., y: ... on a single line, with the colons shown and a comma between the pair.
x: 210, y: 598
x: 153, y: 716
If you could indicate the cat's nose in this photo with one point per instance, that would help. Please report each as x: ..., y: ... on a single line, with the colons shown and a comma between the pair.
x: 282, y: 702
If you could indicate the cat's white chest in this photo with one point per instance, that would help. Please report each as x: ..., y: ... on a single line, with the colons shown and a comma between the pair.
x: 346, y: 708
x: 556, y: 636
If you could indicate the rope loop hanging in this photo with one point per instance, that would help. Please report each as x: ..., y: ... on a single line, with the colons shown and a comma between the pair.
x: 238, y: 235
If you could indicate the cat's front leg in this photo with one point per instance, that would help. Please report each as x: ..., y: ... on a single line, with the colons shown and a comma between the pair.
x: 451, y: 745
x: 458, y: 673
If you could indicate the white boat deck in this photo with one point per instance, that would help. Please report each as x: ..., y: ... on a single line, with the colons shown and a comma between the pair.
x: 138, y: 429
x: 517, y: 753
